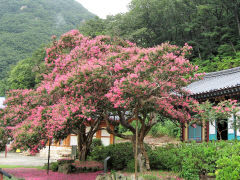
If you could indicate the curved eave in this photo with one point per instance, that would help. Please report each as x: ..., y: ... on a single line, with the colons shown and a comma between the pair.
x: 217, y: 92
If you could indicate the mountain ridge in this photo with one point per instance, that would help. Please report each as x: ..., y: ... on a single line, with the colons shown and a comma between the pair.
x: 26, y: 24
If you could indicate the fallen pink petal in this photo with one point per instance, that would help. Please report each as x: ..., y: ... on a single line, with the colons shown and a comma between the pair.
x: 36, y: 174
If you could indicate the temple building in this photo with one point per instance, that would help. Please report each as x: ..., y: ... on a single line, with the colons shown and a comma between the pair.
x: 215, y: 87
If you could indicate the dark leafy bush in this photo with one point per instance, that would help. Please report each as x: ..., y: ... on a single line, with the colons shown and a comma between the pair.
x: 130, y: 166
x: 164, y: 158
x: 120, y: 155
x: 95, y: 143
x: 52, y: 166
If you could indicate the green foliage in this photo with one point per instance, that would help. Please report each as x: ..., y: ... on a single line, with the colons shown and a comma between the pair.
x: 120, y: 155
x: 131, y: 166
x: 52, y: 166
x: 95, y: 143
x: 193, y: 159
x: 210, y: 26
x: 167, y: 128
x: 218, y: 63
x: 3, y: 134
x: 25, y: 25
x: 150, y: 177
x: 228, y: 168
x: 2, y: 139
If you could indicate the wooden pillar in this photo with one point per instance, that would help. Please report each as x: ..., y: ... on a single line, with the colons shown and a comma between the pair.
x: 183, y: 132
x: 203, y: 131
x: 207, y: 131
x: 186, y: 132
x: 98, y: 134
x: 66, y: 141
x: 111, y: 139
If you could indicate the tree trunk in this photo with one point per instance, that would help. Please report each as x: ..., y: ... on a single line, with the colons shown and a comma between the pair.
x: 142, y: 157
x: 82, y: 156
x: 83, y: 145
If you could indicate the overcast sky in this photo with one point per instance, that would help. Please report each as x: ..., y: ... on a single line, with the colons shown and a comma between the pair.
x: 102, y: 8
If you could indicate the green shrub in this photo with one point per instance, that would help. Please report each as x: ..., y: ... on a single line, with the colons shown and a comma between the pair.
x: 120, y: 155
x: 228, y: 168
x: 95, y: 143
x: 188, y: 159
x: 167, y: 128
x: 194, y: 159
x: 131, y: 166
x: 54, y: 166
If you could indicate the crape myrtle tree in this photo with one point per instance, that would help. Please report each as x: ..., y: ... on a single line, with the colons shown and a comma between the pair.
x: 90, y: 80
x: 114, y: 78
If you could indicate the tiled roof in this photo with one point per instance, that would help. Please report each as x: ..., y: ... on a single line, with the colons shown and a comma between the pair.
x: 2, y: 99
x: 216, y: 81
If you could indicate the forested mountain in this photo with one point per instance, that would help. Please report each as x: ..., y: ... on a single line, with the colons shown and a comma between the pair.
x: 26, y: 24
x: 212, y: 27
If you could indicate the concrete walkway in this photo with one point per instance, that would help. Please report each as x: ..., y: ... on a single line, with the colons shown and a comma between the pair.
x: 21, y: 160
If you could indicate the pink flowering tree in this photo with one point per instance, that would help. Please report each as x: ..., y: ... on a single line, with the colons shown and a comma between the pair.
x: 90, y: 80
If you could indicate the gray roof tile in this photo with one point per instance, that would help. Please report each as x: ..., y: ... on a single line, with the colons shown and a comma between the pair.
x: 216, y: 81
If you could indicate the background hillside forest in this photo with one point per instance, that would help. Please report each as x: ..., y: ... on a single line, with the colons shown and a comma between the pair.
x: 212, y: 27
x: 27, y: 24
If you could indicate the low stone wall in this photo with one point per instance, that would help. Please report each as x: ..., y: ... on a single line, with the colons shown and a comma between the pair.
x: 56, y: 152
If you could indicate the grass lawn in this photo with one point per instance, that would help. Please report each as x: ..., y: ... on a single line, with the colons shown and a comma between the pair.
x: 13, y: 178
x: 13, y: 166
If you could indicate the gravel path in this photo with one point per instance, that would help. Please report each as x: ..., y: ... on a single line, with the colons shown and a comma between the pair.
x: 21, y: 160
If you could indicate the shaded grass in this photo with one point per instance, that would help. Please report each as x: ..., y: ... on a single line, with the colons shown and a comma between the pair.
x: 19, y: 166
x: 13, y: 178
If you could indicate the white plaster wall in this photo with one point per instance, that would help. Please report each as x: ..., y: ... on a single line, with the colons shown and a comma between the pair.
x: 212, y: 127
x: 230, y: 125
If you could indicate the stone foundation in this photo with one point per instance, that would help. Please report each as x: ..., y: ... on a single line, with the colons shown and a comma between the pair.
x: 56, y: 152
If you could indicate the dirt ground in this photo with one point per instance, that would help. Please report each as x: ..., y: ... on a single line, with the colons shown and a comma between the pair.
x: 154, y: 141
